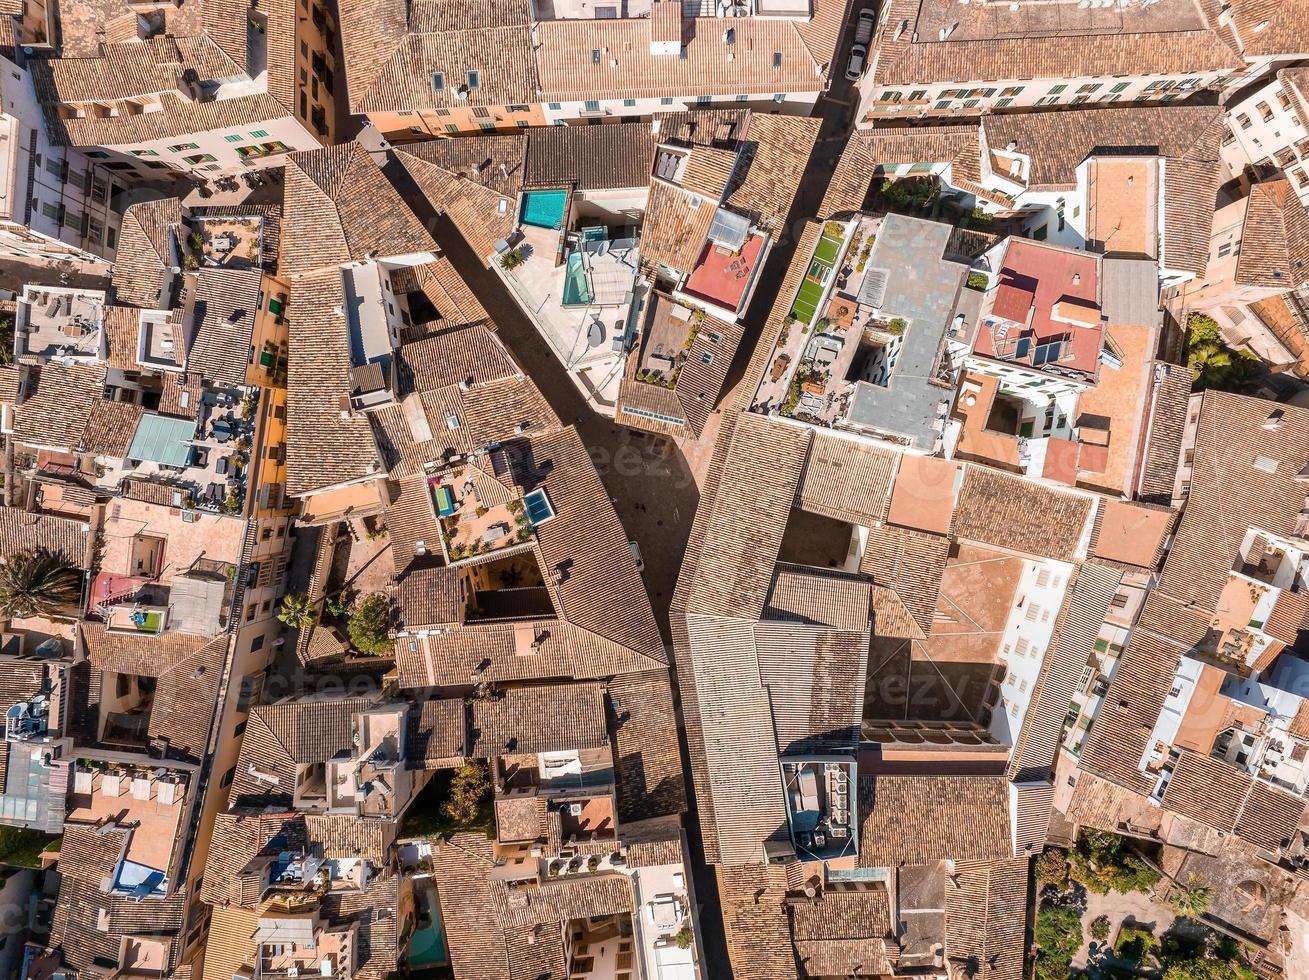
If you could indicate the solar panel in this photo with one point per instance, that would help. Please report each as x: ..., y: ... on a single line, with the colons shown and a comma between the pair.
x: 728, y: 229
x: 873, y: 290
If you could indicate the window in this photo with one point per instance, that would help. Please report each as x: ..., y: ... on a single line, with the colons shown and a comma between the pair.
x: 1048, y: 100
x: 1057, y: 89
x: 184, y: 146
x: 1004, y: 102
x: 553, y: 106
x: 776, y: 98
x: 666, y: 100
x: 740, y: 98
x: 55, y: 168
x: 481, y: 112
x: 1265, y: 111
x: 97, y: 154
x: 944, y: 104
x: 486, y: 125
x: 1079, y: 99
x: 1012, y: 91
x: 917, y: 94
x: 1244, y: 120
x: 145, y: 153
x: 234, y: 138
x: 1088, y: 89
x: 777, y: 59
x: 451, y: 128
x: 595, y: 56
x: 239, y: 730
x: 438, y: 82
x: 522, y: 124
x: 227, y: 778
x: 474, y: 79
x: 520, y: 108
x: 259, y: 134
x: 50, y: 211
x: 971, y: 103
x: 591, y: 105
x: 629, y: 102
x: 707, y: 358
x: 702, y: 100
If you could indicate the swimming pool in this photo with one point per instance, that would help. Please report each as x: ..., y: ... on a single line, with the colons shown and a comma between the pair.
x: 544, y: 209
x: 427, y: 947
x: 576, y: 290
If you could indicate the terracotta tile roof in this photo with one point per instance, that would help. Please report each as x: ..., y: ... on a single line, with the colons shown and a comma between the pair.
x: 230, y: 945
x: 147, y: 244
x: 986, y: 918
x: 462, y: 373
x: 758, y: 926
x: 110, y: 428
x: 1122, y: 730
x: 1010, y: 512
x: 437, y: 735
x: 1229, y: 494
x: 1163, y: 450
x: 627, y: 68
x: 1187, y: 137
x: 339, y: 208
x: 474, y: 936
x: 1269, y: 27
x: 186, y: 697
x: 905, y: 59
x: 1274, y: 238
x: 390, y: 58
x: 279, y: 737
x: 59, y: 404
x: 226, y: 302
x: 427, y: 596
x: 318, y: 382
x: 842, y: 933
x: 21, y: 530
x: 954, y: 143
x: 964, y: 818
x: 1215, y: 793
x: 530, y: 720
x: 642, y: 722
x: 847, y: 479
x: 911, y: 563
x: 236, y: 840
x: 673, y: 232
x: 602, y: 591
x: 590, y: 157
x: 814, y: 679
x: 481, y: 203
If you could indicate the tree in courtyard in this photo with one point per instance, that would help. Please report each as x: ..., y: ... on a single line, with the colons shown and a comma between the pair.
x: 295, y: 611
x: 468, y: 792
x: 1215, y: 365
x: 370, y: 625
x: 1052, y: 866
x: 38, y: 582
x: 1191, y: 900
x: 1104, y: 862
x: 1058, y: 938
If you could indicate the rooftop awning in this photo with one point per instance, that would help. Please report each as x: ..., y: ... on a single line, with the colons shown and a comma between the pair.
x: 162, y: 440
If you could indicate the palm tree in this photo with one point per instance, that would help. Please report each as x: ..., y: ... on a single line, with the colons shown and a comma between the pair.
x: 296, y: 611
x: 1191, y: 900
x: 38, y: 583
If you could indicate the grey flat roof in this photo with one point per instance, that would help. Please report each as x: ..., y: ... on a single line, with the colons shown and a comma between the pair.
x: 1129, y: 291
x: 923, y: 288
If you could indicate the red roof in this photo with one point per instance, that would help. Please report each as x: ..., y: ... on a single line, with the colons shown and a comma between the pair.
x: 1013, y: 300
x: 1043, y: 277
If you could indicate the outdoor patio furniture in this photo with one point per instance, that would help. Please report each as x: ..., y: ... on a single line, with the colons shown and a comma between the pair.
x: 223, y: 465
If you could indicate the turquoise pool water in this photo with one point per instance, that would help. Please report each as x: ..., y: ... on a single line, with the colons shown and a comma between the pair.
x: 545, y: 209
x: 576, y: 291
x: 427, y: 947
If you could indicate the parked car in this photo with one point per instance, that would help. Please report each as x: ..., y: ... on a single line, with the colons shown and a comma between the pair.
x: 863, y: 28
x: 858, y: 58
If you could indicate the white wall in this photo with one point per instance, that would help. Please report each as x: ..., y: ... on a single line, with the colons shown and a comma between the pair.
x: 1251, y: 139
x: 793, y: 103
x: 169, y: 156
x: 971, y: 98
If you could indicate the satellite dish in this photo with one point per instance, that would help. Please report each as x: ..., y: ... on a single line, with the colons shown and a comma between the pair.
x: 595, y: 334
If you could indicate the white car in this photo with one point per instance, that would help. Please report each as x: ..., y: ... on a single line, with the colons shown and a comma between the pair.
x: 858, y: 58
